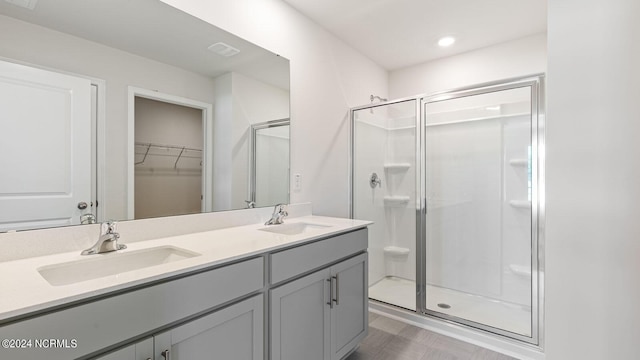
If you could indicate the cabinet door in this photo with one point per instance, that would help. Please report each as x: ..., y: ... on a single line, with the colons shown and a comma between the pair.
x: 142, y: 350
x: 235, y: 332
x: 300, y: 318
x: 349, y: 316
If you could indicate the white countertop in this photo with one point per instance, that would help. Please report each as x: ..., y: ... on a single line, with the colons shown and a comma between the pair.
x: 24, y: 290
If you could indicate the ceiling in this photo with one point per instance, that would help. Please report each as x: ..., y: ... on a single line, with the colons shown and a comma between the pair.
x: 140, y: 27
x: 400, y: 33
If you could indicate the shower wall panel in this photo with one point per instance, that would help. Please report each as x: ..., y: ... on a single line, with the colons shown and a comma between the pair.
x: 464, y: 162
x: 370, y: 137
x: 401, y: 182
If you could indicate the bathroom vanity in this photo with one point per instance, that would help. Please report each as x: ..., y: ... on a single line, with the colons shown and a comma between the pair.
x: 290, y: 291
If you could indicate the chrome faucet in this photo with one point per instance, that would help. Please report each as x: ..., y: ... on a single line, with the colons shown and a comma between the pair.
x: 279, y: 212
x: 108, y: 240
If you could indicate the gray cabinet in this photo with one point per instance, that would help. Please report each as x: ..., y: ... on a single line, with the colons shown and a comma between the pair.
x: 235, y: 332
x: 349, y: 316
x: 300, y: 319
x: 317, y: 311
x: 321, y: 316
x: 142, y: 350
x: 99, y: 324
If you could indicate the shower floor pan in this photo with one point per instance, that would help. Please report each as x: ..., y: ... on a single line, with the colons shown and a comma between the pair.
x: 502, y: 315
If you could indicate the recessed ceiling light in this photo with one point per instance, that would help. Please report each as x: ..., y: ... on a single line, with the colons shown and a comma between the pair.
x: 446, y: 41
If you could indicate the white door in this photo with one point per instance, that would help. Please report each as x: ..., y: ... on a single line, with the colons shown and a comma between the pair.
x: 45, y: 147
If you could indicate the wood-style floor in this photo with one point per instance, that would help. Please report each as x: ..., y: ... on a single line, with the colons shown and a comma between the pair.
x: 390, y: 339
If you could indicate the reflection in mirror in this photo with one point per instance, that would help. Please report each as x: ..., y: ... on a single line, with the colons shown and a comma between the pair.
x: 168, y: 175
x: 269, y: 165
x: 99, y: 52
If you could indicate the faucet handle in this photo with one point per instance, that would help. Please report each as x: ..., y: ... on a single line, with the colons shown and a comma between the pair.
x: 281, y: 209
x: 108, y: 227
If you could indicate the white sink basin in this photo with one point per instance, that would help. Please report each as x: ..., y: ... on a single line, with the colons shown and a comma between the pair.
x: 294, y: 228
x: 113, y: 263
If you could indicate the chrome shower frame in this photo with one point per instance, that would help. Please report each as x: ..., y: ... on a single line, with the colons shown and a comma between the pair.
x: 252, y: 151
x: 536, y: 83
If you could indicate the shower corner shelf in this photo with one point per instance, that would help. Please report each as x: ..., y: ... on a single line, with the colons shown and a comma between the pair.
x: 519, y: 162
x: 521, y: 270
x: 397, y: 166
x: 396, y: 251
x: 523, y: 204
x: 396, y: 201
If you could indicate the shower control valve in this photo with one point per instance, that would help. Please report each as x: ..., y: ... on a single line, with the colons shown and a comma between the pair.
x: 375, y: 180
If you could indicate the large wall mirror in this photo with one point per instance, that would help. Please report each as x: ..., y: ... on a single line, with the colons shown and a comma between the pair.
x: 120, y: 109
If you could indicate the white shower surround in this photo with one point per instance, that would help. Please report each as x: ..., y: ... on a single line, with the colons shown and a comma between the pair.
x: 384, y: 141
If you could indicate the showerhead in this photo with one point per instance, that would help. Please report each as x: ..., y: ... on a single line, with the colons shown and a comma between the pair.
x: 373, y: 97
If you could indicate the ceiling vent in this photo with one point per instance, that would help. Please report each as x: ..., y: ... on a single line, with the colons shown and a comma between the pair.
x: 223, y: 49
x: 27, y: 4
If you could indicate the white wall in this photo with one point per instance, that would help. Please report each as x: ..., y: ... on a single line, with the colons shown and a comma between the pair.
x: 327, y: 78
x: 253, y: 102
x: 593, y: 197
x: 240, y: 102
x: 516, y: 58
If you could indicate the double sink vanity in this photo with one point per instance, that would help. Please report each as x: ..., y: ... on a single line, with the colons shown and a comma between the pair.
x: 295, y: 290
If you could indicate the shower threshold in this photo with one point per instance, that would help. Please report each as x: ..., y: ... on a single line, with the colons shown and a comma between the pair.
x: 395, y: 291
x: 498, y: 314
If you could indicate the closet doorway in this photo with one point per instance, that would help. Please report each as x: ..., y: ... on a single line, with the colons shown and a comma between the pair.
x: 169, y: 170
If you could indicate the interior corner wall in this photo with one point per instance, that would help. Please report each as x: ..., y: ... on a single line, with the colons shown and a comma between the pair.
x: 240, y: 102
x: 525, y: 56
x: 592, y: 203
x: 327, y: 79
x: 253, y: 102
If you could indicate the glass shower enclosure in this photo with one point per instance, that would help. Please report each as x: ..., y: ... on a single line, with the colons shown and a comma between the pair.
x: 453, y: 182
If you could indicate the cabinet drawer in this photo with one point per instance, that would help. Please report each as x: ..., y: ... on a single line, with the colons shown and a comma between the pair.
x: 113, y: 320
x: 289, y: 263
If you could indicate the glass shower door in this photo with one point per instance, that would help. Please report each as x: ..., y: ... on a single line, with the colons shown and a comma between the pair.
x: 480, y: 175
x: 384, y: 191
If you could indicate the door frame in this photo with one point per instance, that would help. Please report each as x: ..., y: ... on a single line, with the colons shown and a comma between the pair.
x: 253, y: 153
x: 207, y: 131
x: 538, y: 122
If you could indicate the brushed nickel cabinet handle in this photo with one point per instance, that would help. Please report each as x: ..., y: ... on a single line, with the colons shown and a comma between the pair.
x: 337, y: 299
x: 330, y: 303
x: 166, y: 354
